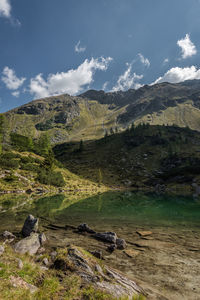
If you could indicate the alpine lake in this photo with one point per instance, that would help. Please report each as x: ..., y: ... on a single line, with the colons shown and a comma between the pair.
x: 165, y: 259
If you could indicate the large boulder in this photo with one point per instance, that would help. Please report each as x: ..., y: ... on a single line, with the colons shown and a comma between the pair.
x: 30, y: 225
x: 29, y: 245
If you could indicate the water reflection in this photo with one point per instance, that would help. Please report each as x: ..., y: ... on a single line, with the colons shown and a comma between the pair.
x: 116, y: 207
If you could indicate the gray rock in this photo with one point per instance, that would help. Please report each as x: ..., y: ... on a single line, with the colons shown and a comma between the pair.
x: 109, y: 237
x: 8, y: 235
x: 30, y: 225
x: 97, y: 254
x: 41, y: 250
x: 53, y: 255
x: 111, y: 248
x: 42, y: 238
x: 121, y: 244
x: 20, y: 263
x: 19, y: 282
x: 44, y: 268
x: 1, y: 250
x: 85, y: 228
x: 30, y: 244
x: 45, y: 261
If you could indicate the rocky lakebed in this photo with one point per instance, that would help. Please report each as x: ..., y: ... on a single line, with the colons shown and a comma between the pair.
x: 120, y: 255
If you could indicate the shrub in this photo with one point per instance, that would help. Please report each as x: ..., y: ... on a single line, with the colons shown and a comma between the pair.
x: 9, y: 163
x: 10, y: 155
x: 50, y: 177
x: 29, y: 167
x: 10, y: 178
x: 21, y: 142
x: 27, y: 159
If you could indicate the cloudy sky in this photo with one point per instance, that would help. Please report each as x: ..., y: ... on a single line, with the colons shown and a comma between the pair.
x: 50, y: 47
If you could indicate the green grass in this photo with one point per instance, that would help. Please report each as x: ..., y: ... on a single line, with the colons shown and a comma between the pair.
x: 51, y: 284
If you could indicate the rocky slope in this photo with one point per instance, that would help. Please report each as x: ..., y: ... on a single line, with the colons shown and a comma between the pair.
x: 93, y: 113
x: 159, y: 104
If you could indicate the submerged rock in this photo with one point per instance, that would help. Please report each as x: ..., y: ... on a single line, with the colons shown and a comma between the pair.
x: 29, y: 245
x: 144, y: 233
x: 85, y: 228
x: 30, y: 225
x: 131, y: 253
x: 111, y: 248
x: 97, y: 253
x: 121, y: 244
x: 109, y: 237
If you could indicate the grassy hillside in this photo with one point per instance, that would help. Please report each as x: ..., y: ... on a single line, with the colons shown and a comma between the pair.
x: 141, y: 157
x: 64, y: 118
x: 92, y: 114
x: 27, y: 172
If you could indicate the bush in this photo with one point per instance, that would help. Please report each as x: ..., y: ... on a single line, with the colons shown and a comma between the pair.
x: 9, y: 163
x: 10, y: 155
x: 27, y: 159
x: 10, y: 178
x: 29, y: 167
x: 49, y: 177
x: 21, y: 142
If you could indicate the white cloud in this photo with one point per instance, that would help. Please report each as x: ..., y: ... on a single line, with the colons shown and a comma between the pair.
x: 177, y: 74
x: 5, y: 8
x: 71, y: 82
x: 188, y: 49
x: 78, y: 48
x: 16, y: 94
x: 127, y: 80
x: 144, y: 60
x: 165, y: 61
x: 105, y: 85
x: 10, y: 79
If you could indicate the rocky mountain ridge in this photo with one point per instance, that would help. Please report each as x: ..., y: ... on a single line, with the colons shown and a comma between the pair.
x: 93, y: 113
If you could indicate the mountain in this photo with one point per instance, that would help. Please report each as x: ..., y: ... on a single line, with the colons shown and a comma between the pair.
x: 159, y: 104
x: 90, y: 115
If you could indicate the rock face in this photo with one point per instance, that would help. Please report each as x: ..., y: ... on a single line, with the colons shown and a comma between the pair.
x: 29, y: 245
x: 30, y: 225
x: 106, y: 279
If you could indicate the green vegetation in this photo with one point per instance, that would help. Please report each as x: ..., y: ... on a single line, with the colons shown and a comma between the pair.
x: 2, y: 124
x: 140, y: 157
x: 21, y: 142
x: 50, y: 178
x: 51, y: 284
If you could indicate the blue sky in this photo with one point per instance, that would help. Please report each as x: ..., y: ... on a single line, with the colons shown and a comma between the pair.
x: 50, y: 47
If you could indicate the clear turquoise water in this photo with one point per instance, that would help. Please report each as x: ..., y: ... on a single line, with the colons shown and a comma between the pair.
x: 111, y: 207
